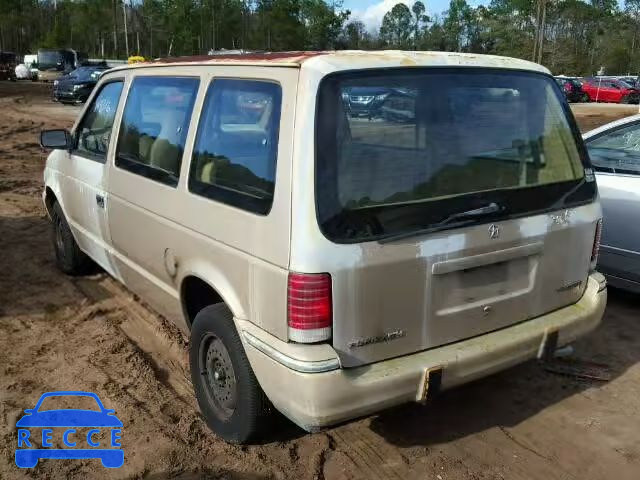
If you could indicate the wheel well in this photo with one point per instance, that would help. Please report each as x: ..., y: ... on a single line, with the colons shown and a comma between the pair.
x: 49, y: 200
x: 197, y: 294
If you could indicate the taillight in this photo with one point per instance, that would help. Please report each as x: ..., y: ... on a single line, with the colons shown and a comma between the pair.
x: 309, y: 307
x: 596, y: 244
x: 568, y: 87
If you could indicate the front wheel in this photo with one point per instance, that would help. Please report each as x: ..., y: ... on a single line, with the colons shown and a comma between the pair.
x: 230, y: 398
x: 625, y: 99
x: 69, y: 258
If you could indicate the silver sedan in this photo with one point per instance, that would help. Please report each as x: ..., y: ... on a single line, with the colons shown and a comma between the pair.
x: 615, y: 153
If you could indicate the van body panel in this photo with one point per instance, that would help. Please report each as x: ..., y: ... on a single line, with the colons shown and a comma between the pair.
x: 247, y: 253
x: 409, y: 292
x: 324, y: 399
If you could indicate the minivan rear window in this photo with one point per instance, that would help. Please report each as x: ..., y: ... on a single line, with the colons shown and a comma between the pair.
x: 401, y: 150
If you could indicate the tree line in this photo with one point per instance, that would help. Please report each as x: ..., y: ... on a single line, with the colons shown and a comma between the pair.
x: 568, y: 36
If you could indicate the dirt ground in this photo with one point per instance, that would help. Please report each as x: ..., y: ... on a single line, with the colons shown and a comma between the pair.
x: 592, y: 115
x: 61, y: 333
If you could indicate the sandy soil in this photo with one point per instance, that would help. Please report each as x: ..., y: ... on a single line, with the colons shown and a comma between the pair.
x: 592, y: 115
x: 61, y: 333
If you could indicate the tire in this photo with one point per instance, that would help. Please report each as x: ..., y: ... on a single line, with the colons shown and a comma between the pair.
x: 69, y: 258
x: 585, y: 98
x: 625, y: 99
x: 230, y: 398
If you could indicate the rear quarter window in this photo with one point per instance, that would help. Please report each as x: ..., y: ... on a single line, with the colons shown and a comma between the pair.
x: 236, y: 149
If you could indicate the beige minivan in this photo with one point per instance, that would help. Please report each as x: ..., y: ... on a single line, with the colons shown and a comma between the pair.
x: 338, y: 232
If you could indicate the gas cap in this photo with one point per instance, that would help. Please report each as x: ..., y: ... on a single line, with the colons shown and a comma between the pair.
x: 170, y: 262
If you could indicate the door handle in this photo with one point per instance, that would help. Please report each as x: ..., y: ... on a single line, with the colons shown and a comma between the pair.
x: 100, y: 200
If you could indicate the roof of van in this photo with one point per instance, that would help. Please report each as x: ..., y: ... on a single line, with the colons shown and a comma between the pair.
x: 347, y: 60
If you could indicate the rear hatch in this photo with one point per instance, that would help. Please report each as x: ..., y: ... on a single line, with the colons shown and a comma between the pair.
x: 466, y: 213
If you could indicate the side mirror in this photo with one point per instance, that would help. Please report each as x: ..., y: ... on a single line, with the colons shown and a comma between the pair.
x: 56, y: 139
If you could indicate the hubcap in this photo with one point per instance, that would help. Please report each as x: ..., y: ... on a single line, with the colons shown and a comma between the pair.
x: 218, y: 376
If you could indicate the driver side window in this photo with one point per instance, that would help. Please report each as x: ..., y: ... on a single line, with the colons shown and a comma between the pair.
x: 94, y: 131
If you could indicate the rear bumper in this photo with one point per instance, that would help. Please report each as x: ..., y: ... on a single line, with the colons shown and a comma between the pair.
x: 315, y: 400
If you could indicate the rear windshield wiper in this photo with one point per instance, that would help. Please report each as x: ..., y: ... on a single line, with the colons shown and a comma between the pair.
x: 560, y: 203
x: 459, y: 218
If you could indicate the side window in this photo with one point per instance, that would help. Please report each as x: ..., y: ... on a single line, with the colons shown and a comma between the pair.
x: 234, y: 159
x: 617, y: 151
x: 154, y: 127
x: 94, y: 131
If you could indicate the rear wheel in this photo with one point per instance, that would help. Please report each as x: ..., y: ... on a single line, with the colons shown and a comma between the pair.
x: 230, y: 398
x: 69, y: 258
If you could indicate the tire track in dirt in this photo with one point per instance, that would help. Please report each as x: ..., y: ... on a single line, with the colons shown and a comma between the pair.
x: 161, y: 343
x: 371, y: 456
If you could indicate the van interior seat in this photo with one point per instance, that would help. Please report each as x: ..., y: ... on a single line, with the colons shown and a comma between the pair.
x: 165, y: 152
x: 245, y: 145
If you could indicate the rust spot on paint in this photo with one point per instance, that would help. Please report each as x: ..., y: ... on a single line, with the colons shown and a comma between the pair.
x: 293, y: 57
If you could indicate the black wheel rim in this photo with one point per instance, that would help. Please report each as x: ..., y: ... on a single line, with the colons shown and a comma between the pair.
x: 59, y: 239
x: 218, y: 376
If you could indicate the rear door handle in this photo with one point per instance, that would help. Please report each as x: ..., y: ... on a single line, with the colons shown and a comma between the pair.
x: 100, y: 200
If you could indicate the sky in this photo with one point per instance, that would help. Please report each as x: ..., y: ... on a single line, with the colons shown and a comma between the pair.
x: 371, y: 11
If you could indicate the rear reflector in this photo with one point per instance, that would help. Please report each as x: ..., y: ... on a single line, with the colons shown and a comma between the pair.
x: 596, y: 244
x: 309, y: 307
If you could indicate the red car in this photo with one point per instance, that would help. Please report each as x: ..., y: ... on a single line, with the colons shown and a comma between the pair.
x: 609, y: 90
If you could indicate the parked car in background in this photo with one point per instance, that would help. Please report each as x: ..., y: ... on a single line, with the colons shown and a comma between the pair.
x: 364, y: 101
x: 76, y: 86
x: 610, y: 91
x: 615, y: 154
x: 399, y: 105
x: 572, y: 89
x: 8, y: 62
x: 632, y: 81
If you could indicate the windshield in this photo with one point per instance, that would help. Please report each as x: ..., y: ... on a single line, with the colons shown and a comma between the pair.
x: 436, y: 142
